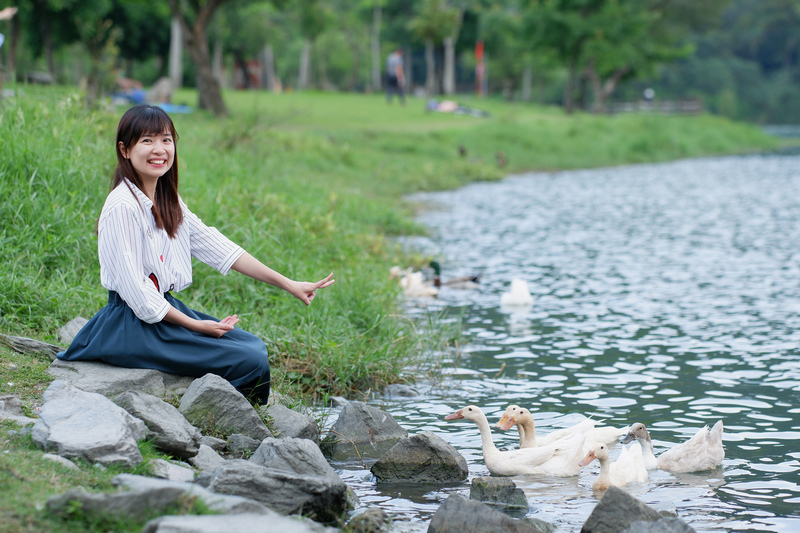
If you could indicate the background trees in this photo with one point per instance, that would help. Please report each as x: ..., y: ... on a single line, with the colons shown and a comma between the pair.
x: 740, y: 57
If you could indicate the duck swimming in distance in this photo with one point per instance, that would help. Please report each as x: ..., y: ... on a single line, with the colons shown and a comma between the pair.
x: 703, y: 451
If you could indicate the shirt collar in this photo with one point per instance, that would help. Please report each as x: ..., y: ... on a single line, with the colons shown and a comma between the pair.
x: 142, y: 197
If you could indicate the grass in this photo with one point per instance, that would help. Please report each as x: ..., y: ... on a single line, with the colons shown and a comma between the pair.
x: 310, y: 183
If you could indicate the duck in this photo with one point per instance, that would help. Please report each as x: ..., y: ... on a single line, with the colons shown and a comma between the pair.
x: 413, y: 283
x: 463, y: 282
x: 559, y: 460
x: 526, y: 426
x: 704, y: 451
x: 628, y: 468
x: 518, y: 295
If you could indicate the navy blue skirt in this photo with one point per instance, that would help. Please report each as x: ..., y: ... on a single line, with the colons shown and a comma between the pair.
x: 115, y: 335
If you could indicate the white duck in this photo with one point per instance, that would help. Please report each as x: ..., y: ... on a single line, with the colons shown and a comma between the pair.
x: 413, y: 283
x: 552, y: 460
x: 703, y: 451
x: 518, y: 295
x: 526, y: 426
x: 628, y: 468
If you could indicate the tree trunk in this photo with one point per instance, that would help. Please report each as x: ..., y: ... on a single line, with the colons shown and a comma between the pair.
x: 375, y: 46
x: 449, y: 69
x: 12, y: 47
x: 196, y: 42
x: 430, y: 64
x: 305, y: 65
x: 569, y: 90
x: 527, y: 82
x: 217, y: 66
x: 268, y: 59
x: 602, y: 90
x: 176, y: 54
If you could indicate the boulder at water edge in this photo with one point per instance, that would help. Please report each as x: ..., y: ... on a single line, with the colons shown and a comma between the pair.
x: 361, y: 431
x: 618, y: 510
x: 423, y: 458
x: 460, y: 515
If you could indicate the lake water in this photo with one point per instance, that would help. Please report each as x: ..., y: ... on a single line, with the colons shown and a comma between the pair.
x: 667, y: 294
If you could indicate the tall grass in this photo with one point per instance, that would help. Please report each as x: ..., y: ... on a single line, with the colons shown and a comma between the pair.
x: 309, y: 183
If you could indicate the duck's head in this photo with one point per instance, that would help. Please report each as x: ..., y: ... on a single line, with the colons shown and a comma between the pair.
x: 470, y: 412
x: 637, y: 431
x: 507, y: 420
x: 600, y: 452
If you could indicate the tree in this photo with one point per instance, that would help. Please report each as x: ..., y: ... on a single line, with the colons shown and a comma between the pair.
x: 433, y: 22
x: 195, y: 16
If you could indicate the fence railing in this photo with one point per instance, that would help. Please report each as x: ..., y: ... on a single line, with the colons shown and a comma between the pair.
x: 664, y: 107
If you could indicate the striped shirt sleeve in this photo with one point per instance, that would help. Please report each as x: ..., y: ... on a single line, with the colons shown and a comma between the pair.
x: 120, y: 236
x: 209, y: 245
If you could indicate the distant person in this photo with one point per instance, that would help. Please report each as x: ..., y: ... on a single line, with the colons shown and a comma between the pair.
x: 395, y: 77
x: 5, y: 14
x: 147, y: 239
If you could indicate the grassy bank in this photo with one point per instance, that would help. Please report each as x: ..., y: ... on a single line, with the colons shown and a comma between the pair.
x: 310, y: 183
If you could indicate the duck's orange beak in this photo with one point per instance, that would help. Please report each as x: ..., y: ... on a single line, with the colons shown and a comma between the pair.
x: 502, y: 422
x: 454, y: 416
x: 588, y: 459
x: 509, y: 423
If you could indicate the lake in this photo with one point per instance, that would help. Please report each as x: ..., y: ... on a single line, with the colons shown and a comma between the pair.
x: 667, y: 294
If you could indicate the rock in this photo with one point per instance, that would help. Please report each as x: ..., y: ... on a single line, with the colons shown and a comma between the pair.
x: 294, y: 455
x: 337, y: 401
x: 110, y: 380
x: 176, y: 491
x: 285, y: 492
x: 671, y: 524
x: 460, y: 515
x: 361, y: 431
x: 373, y: 520
x: 288, y: 423
x: 499, y: 492
x: 214, y: 443
x: 616, y: 511
x: 30, y: 346
x: 75, y: 423
x: 274, y: 523
x: 168, y: 429
x: 215, y: 406
x: 206, y: 458
x: 63, y: 461
x: 423, y: 458
x: 400, y: 390
x: 241, y: 446
x: 11, y: 409
x: 170, y: 471
x: 67, y: 332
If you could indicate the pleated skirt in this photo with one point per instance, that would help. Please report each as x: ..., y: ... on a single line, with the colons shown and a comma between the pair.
x: 115, y: 335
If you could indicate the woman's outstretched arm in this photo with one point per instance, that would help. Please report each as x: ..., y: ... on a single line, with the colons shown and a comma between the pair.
x: 302, y: 290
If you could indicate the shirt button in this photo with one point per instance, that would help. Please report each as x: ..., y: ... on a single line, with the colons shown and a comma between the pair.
x: 172, y: 286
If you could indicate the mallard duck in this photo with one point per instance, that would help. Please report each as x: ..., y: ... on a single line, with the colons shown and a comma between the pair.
x: 628, y: 468
x: 518, y: 295
x: 703, y: 451
x: 526, y: 426
x: 413, y: 283
x: 463, y: 282
x: 552, y: 460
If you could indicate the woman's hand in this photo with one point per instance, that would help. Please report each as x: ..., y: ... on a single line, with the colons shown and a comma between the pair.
x: 215, y: 329
x: 305, y: 290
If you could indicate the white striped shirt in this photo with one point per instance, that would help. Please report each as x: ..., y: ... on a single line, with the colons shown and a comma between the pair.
x: 131, y: 248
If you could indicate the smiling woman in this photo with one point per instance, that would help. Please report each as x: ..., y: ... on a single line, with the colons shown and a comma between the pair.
x: 147, y: 237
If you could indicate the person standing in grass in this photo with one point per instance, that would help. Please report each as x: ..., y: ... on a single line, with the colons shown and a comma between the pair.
x: 147, y: 237
x: 7, y: 13
x: 395, y: 77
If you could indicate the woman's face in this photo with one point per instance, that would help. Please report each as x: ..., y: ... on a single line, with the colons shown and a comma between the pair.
x: 152, y: 155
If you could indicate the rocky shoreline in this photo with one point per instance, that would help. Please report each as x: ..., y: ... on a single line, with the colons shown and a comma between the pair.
x: 263, y: 476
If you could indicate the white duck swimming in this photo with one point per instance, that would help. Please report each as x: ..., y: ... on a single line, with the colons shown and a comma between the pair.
x: 552, y: 460
x: 518, y: 295
x: 628, y: 468
x: 526, y: 426
x: 413, y: 283
x: 703, y: 451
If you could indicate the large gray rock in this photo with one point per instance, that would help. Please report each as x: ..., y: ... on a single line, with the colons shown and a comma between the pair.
x: 361, y: 431
x: 671, y: 524
x: 240, y: 446
x: 616, y: 511
x: 30, y: 346
x: 170, y: 471
x: 75, y: 423
x: 423, y: 458
x: 499, y: 492
x: 110, y: 380
x: 288, y: 423
x: 167, y: 428
x: 273, y: 523
x: 373, y: 520
x: 294, y: 455
x: 206, y: 458
x: 460, y: 515
x: 285, y: 492
x: 212, y: 404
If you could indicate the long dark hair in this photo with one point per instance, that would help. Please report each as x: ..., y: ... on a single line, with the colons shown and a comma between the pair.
x: 137, y: 122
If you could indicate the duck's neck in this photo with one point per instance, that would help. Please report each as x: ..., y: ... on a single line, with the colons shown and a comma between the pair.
x: 650, y: 461
x: 486, y: 436
x: 603, y: 480
x: 528, y: 429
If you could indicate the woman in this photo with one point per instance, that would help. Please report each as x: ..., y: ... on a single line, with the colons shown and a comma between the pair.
x: 147, y: 237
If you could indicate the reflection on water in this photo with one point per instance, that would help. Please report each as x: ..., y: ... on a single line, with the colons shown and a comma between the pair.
x: 666, y: 294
